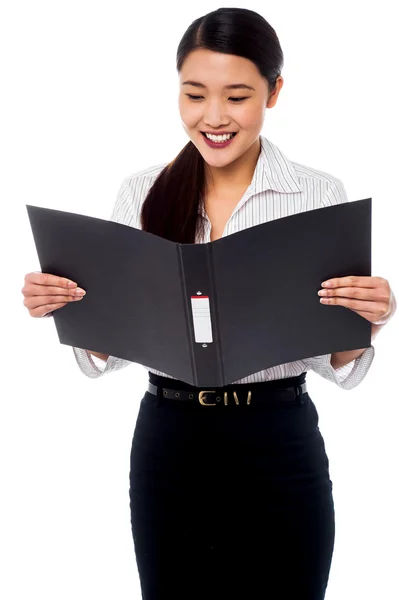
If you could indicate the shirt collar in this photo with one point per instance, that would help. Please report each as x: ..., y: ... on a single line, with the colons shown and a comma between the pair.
x: 274, y: 171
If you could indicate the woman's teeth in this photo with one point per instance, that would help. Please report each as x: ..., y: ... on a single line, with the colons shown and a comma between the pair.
x: 219, y: 138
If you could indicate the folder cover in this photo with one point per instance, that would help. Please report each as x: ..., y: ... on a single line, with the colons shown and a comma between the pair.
x: 209, y: 313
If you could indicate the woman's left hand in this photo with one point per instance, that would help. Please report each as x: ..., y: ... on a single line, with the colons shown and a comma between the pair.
x: 370, y: 297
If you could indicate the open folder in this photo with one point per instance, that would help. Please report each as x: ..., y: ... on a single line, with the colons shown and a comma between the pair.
x: 212, y: 313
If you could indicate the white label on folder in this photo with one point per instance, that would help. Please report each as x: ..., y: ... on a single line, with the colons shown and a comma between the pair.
x: 201, y: 318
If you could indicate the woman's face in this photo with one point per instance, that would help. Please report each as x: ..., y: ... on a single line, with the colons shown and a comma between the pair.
x: 214, y: 107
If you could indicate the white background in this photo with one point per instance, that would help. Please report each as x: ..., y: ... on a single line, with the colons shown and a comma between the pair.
x: 89, y: 96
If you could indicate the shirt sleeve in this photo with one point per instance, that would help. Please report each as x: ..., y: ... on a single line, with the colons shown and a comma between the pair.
x: 90, y: 365
x: 346, y: 377
x: 353, y: 373
x: 94, y: 367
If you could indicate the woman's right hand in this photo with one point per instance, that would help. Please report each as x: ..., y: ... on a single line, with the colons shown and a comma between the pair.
x: 43, y: 293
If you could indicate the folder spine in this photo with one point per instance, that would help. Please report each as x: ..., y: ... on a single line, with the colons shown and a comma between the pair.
x: 216, y: 320
x: 179, y: 249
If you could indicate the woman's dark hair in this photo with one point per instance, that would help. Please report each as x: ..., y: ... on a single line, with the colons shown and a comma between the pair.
x: 172, y: 205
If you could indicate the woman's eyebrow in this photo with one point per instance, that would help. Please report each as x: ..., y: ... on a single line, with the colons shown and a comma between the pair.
x: 232, y: 86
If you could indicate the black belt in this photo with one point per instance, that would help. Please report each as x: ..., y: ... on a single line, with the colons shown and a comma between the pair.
x: 223, y: 398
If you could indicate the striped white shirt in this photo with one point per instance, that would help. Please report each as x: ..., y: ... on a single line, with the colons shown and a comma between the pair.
x: 279, y: 188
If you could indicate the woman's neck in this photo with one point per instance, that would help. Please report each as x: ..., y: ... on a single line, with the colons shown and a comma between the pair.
x: 235, y: 176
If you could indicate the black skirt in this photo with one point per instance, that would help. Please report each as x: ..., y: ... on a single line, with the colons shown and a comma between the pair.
x: 231, y: 502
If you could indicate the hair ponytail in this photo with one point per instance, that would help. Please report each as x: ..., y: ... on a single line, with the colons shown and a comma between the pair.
x: 171, y: 207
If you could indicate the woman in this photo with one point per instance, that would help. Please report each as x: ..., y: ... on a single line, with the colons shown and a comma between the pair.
x: 230, y: 493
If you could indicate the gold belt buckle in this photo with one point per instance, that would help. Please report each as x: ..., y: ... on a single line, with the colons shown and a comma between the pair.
x: 202, y: 401
x: 201, y: 397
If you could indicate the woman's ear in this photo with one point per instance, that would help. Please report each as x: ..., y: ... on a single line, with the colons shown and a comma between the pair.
x: 272, y: 99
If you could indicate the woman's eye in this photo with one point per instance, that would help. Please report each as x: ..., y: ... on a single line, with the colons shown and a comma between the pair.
x: 232, y: 98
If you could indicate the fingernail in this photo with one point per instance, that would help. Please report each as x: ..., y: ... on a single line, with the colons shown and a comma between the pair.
x: 72, y: 284
x: 79, y: 292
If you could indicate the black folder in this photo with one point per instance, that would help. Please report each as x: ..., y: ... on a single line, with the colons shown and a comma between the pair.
x: 211, y: 313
